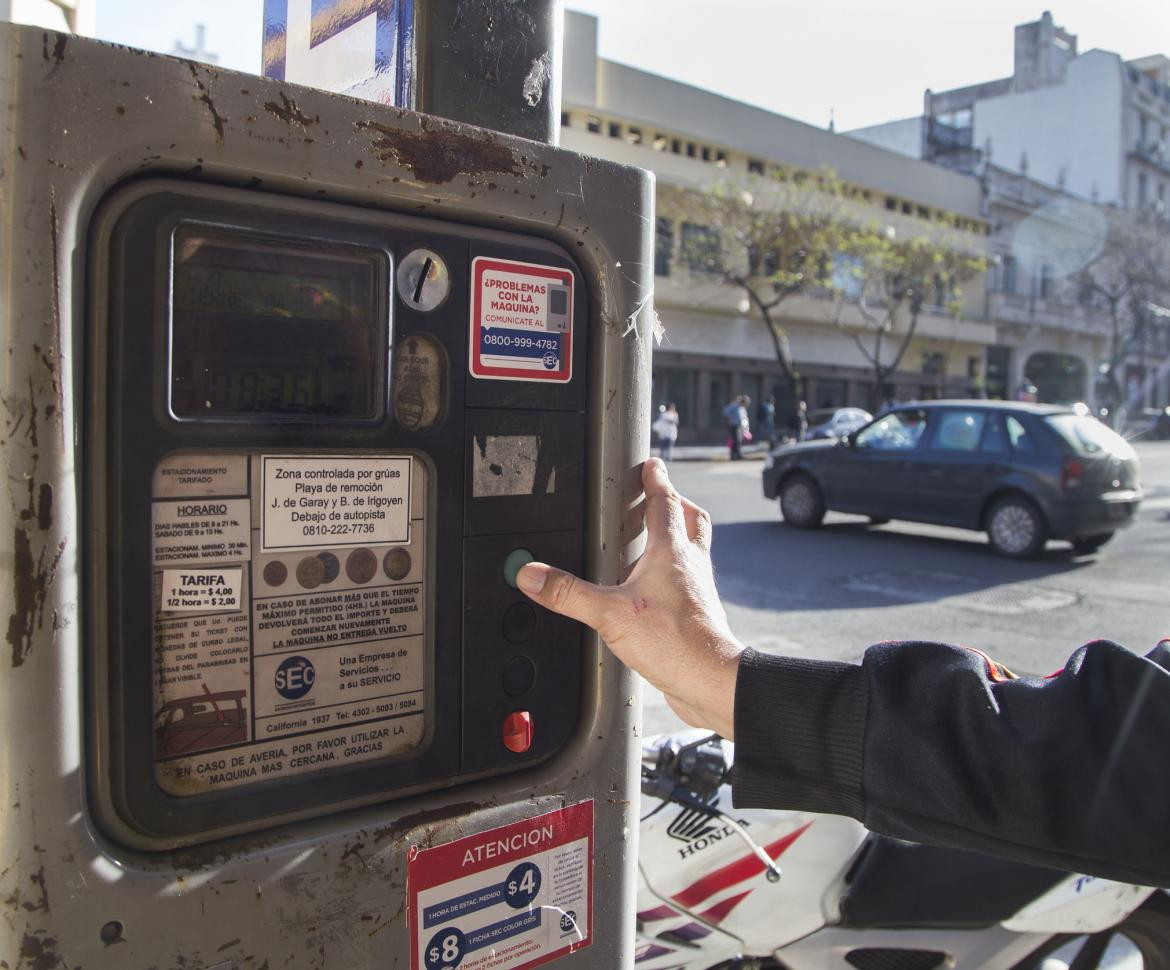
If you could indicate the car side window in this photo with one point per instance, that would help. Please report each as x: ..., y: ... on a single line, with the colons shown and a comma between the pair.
x: 896, y: 431
x: 994, y: 437
x: 1018, y: 436
x: 958, y: 431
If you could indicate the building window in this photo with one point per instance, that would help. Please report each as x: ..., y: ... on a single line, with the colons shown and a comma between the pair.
x: 763, y: 262
x: 907, y: 208
x: 721, y: 159
x: 564, y: 119
x: 615, y: 130
x: 923, y: 212
x: 1008, y: 279
x: 1143, y: 189
x: 634, y: 135
x: 755, y: 166
x: 660, y: 142
x: 593, y: 124
x: 706, y: 154
x: 676, y: 146
x: 663, y: 245
x: 1045, y: 281
x: 699, y: 247
x: 891, y: 203
x: 690, y: 149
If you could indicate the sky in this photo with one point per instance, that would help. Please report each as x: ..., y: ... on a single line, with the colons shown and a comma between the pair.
x: 860, y: 61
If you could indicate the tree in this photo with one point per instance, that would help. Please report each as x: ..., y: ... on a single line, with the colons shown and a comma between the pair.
x: 882, y: 284
x: 1129, y: 278
x: 771, y: 236
x: 787, y: 233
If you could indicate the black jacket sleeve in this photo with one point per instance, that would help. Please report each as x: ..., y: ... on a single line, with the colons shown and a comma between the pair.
x: 938, y: 744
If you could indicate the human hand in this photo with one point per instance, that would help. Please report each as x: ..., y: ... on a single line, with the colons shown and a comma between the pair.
x: 665, y: 621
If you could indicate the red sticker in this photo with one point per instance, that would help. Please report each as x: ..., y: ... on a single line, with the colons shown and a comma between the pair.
x: 521, y: 321
x: 512, y: 897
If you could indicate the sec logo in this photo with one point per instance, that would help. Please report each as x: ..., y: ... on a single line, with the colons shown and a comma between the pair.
x: 550, y: 360
x: 295, y: 678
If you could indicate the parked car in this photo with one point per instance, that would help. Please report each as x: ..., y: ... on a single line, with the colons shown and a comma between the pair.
x: 835, y: 422
x: 1024, y: 473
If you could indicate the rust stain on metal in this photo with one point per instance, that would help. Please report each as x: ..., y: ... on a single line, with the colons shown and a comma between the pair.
x: 447, y: 813
x: 31, y: 581
x: 39, y: 952
x: 289, y: 113
x: 217, y: 119
x: 57, y: 54
x: 438, y: 156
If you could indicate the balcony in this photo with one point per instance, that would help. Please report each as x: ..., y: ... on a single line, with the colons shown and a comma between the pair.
x: 1055, y: 314
x: 1153, y: 153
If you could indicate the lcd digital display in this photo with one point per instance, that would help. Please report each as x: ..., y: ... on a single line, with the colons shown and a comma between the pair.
x: 263, y: 327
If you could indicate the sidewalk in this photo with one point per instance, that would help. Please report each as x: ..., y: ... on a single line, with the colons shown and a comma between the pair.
x: 752, y: 452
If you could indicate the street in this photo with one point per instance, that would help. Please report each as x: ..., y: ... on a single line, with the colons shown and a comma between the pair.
x: 830, y: 592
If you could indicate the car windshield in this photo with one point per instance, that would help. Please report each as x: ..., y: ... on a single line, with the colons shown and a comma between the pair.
x: 1088, y: 436
x: 898, y: 430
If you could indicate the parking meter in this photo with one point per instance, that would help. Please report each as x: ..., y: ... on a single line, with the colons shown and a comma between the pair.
x: 295, y: 385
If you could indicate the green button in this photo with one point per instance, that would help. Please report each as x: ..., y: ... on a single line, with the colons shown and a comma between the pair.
x: 514, y: 561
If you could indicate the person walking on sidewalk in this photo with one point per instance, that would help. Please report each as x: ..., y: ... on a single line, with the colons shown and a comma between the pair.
x: 665, y: 427
x: 736, y: 419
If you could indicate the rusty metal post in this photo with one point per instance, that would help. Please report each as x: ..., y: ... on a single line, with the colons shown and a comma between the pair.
x: 491, y: 63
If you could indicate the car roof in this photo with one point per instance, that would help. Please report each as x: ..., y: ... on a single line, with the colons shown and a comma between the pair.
x: 993, y: 405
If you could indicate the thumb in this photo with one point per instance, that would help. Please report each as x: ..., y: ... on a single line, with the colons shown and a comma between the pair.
x: 563, y: 593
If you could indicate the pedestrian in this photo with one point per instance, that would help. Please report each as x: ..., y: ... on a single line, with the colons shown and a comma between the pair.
x: 798, y: 421
x: 920, y: 741
x: 766, y: 420
x: 665, y: 427
x: 736, y: 418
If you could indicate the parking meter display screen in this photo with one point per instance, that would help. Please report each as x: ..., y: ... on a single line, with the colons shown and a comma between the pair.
x: 260, y: 327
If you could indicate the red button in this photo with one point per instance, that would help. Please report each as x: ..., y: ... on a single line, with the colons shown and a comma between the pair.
x: 518, y: 731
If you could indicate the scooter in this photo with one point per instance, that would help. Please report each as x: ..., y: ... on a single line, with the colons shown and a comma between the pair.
x: 721, y: 889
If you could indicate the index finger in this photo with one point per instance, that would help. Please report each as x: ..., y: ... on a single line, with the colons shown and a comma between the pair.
x: 664, y: 511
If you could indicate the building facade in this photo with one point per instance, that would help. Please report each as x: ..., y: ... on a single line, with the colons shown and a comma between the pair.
x: 1065, y: 134
x: 714, y: 345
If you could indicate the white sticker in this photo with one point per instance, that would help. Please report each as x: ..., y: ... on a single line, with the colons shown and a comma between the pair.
x: 513, y: 897
x: 521, y: 321
x: 199, y: 589
x: 322, y: 662
x: 203, y: 530
x: 190, y: 475
x: 334, y: 501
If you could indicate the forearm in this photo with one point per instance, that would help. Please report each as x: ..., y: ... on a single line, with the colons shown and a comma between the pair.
x: 923, y: 742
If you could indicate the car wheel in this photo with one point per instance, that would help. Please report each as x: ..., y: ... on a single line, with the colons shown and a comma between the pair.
x: 1087, y: 544
x: 1015, y: 528
x: 801, y: 502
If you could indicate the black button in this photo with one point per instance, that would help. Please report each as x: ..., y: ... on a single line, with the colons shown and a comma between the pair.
x: 519, y: 623
x: 519, y: 675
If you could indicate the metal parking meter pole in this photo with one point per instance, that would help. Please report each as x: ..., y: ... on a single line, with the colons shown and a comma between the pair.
x: 493, y: 63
